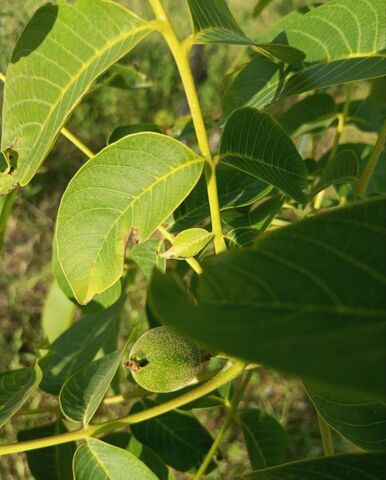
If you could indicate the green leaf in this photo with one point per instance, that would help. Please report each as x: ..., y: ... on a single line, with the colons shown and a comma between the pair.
x: 308, y: 300
x: 51, y: 463
x: 101, y: 461
x: 61, y: 52
x: 213, y: 22
x: 260, y: 6
x: 83, y: 392
x: 16, y: 387
x: 266, y: 439
x: 145, y: 255
x: 131, y: 185
x: 254, y: 143
x: 354, y: 465
x: 357, y: 417
x: 151, y: 459
x: 177, y: 437
x: 188, y: 243
x: 58, y: 313
x: 6, y: 204
x: 235, y: 189
x: 353, y: 55
x: 341, y: 169
x: 313, y: 112
x: 125, y: 130
x: 78, y: 346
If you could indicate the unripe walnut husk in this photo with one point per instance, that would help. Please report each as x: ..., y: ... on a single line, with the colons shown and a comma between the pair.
x: 163, y: 361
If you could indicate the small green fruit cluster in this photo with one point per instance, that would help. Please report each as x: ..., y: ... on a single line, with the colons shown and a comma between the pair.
x: 163, y: 361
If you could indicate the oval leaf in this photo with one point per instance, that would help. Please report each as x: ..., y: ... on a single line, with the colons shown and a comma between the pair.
x: 354, y: 465
x: 83, y: 392
x: 61, y: 52
x: 357, y: 417
x: 177, y: 437
x: 188, y: 243
x: 58, y: 313
x: 16, y: 387
x: 101, y: 461
x: 254, y: 143
x: 117, y: 199
x: 309, y: 299
x: 266, y: 439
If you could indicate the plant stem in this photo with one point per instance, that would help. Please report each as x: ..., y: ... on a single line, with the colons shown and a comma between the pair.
x: 180, y: 55
x: 191, y: 261
x: 75, y: 140
x: 228, y: 420
x: 225, y: 376
x: 368, y: 171
x: 325, y: 432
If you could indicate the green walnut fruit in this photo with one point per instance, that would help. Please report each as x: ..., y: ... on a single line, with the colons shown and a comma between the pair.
x: 163, y: 361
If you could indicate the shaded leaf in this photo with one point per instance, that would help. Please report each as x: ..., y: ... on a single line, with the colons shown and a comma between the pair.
x: 188, y: 243
x: 313, y: 112
x: 51, y: 463
x: 235, y: 189
x: 260, y: 6
x: 83, y: 392
x: 306, y: 300
x: 58, y: 313
x: 125, y: 130
x: 78, y: 346
x: 143, y: 178
x: 341, y: 169
x: 254, y: 143
x: 145, y: 256
x: 101, y: 461
x: 61, y: 52
x: 177, y: 437
x: 6, y: 204
x: 266, y: 439
x: 16, y: 386
x: 356, y: 417
x: 123, y: 77
x: 354, y: 465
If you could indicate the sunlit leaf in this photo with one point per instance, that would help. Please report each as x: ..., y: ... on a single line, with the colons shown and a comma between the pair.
x: 305, y: 300
x: 274, y: 160
x: 101, y: 461
x: 356, y: 417
x: 125, y: 130
x: 58, y: 313
x: 131, y: 186
x: 61, y: 52
x: 16, y: 386
x: 188, y: 243
x: 355, y: 54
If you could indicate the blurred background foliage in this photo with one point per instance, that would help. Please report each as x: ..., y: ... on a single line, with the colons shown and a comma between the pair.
x: 25, y: 272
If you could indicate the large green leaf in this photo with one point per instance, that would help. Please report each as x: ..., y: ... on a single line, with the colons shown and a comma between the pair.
x: 58, y: 313
x: 98, y: 460
x: 354, y: 53
x: 16, y: 386
x: 369, y: 466
x: 131, y: 186
x: 177, y: 437
x: 254, y: 143
x: 61, y: 52
x: 83, y: 392
x: 357, y: 417
x: 78, y: 345
x: 51, y: 463
x: 235, y: 189
x: 213, y: 22
x: 308, y: 299
x: 266, y: 439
